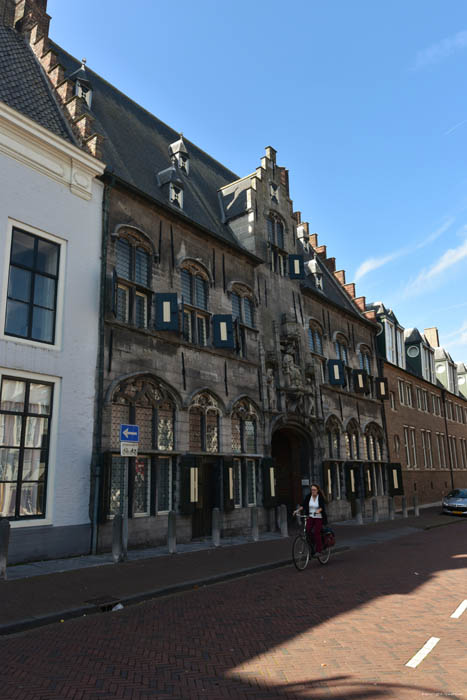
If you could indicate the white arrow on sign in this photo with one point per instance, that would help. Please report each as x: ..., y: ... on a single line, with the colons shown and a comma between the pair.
x: 127, y: 432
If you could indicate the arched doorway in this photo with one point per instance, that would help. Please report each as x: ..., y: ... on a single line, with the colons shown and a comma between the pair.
x: 293, y: 455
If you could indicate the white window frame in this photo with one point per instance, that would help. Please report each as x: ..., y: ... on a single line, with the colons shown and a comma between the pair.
x: 60, y: 293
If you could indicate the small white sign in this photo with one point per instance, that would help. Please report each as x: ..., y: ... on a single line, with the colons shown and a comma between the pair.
x: 166, y: 316
x: 296, y: 266
x: 223, y: 330
x: 128, y: 449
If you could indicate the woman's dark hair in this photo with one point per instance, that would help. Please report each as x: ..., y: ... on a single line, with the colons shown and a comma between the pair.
x: 319, y: 491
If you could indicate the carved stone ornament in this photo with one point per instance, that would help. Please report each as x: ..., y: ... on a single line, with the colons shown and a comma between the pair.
x: 141, y: 392
x: 292, y: 373
x: 245, y: 410
x: 271, y: 389
x: 205, y: 401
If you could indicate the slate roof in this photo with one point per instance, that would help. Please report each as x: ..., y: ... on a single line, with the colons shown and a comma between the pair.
x: 24, y: 87
x: 136, y: 149
x: 331, y: 288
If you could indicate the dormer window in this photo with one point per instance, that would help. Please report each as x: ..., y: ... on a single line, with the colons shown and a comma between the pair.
x: 82, y: 84
x: 315, y: 270
x: 179, y: 155
x: 274, y: 193
x: 84, y: 91
x: 176, y: 195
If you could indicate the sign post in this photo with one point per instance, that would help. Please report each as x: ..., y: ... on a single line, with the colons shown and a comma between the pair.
x: 129, y: 440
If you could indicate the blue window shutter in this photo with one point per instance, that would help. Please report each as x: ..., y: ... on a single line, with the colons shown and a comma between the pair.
x: 114, y: 288
x: 166, y: 312
x: 360, y: 381
x: 336, y: 372
x: 382, y: 391
x: 222, y: 331
x: 296, y: 267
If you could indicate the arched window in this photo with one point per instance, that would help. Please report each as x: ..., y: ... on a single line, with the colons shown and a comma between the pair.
x: 243, y: 315
x: 244, y: 428
x: 364, y: 358
x: 374, y: 443
x: 145, y: 402
x: 204, y: 424
x: 351, y: 441
x: 333, y: 438
x: 341, y: 348
x: 194, y: 286
x: 315, y: 338
x: 133, y: 273
x: 276, y: 235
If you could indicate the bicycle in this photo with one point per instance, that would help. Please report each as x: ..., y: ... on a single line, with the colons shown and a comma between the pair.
x: 303, y: 548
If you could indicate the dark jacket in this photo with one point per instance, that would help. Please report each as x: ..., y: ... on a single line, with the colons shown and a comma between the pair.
x: 322, y: 505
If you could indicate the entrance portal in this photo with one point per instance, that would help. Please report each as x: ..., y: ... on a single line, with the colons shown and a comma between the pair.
x: 293, y: 454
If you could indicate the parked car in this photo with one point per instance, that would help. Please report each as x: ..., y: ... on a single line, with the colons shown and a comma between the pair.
x: 455, y: 502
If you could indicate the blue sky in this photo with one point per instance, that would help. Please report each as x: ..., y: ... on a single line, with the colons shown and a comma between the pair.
x: 364, y: 101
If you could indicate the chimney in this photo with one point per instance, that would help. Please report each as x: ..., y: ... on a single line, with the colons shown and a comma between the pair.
x: 432, y: 336
x: 271, y: 153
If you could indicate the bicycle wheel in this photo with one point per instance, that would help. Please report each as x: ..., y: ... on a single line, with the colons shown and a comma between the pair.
x: 323, y: 557
x: 300, y: 552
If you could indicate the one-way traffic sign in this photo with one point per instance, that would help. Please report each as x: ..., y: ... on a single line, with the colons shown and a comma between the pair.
x: 129, y: 433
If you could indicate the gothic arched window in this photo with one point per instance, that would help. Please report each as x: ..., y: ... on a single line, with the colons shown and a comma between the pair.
x: 204, y: 416
x: 195, y: 284
x: 244, y: 427
x: 333, y: 438
x: 351, y: 441
x: 133, y: 273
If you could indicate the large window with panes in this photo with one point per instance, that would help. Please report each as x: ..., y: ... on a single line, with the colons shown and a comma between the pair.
x: 341, y: 349
x: 25, y: 416
x: 133, y: 273
x: 276, y: 235
x: 31, y: 306
x: 146, y: 481
x: 203, y: 424
x: 315, y: 338
x: 194, y: 283
x: 364, y: 359
x: 243, y: 316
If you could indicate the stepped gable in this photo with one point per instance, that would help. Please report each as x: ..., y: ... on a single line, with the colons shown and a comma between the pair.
x: 136, y: 149
x: 24, y: 86
x: 334, y: 284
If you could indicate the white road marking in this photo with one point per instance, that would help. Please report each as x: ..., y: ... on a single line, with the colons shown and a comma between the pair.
x: 458, y: 611
x: 424, y: 651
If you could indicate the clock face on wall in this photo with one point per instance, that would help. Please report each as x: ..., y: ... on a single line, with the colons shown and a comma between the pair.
x: 413, y: 351
x: 440, y: 368
x: 461, y: 380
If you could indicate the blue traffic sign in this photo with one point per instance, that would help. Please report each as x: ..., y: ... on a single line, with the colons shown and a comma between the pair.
x: 129, y: 433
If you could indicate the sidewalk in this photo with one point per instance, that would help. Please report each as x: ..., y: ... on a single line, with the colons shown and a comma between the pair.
x: 45, y: 592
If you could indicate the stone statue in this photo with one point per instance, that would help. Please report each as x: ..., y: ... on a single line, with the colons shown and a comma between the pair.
x: 271, y: 389
x: 291, y: 372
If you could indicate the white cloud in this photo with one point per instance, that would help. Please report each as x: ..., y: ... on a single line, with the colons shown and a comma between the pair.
x: 448, y: 259
x: 453, y: 128
x: 444, y: 48
x: 373, y: 264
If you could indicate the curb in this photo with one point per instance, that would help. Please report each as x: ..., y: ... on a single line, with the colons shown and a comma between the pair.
x: 72, y: 613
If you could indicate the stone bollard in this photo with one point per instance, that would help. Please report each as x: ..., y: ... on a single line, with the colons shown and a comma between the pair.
x: 172, y: 532
x: 4, y: 541
x: 405, y: 512
x: 272, y: 519
x: 216, y: 527
x: 283, y: 521
x: 416, y: 509
x: 254, y: 524
x: 374, y: 503
x: 391, y: 507
x: 278, y: 517
x: 117, y: 539
x: 358, y: 512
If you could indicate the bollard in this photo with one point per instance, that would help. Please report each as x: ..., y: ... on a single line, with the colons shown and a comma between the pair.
x: 374, y: 503
x: 272, y: 519
x: 405, y: 512
x: 117, y: 539
x: 254, y: 524
x: 358, y: 512
x: 391, y: 507
x: 172, y: 532
x: 278, y: 517
x: 4, y: 541
x: 283, y: 521
x: 216, y: 527
x: 125, y: 537
x: 416, y: 509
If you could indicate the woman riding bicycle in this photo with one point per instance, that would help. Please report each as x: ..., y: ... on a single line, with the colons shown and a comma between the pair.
x: 314, y: 506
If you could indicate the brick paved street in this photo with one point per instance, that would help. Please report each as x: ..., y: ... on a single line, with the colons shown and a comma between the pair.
x: 342, y: 631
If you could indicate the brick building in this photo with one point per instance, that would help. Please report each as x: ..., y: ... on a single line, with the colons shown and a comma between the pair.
x: 226, y: 333
x: 426, y: 415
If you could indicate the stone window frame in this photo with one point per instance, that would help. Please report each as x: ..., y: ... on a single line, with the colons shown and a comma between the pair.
x: 314, y: 328
x: 352, y: 436
x: 128, y: 288
x: 204, y: 403
x: 333, y: 436
x: 276, y: 242
x: 365, y: 358
x: 374, y: 442
x: 342, y: 347
x: 244, y: 410
x: 195, y: 317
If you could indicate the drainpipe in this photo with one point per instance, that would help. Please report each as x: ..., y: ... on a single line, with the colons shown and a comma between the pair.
x: 448, y: 447
x: 96, y: 467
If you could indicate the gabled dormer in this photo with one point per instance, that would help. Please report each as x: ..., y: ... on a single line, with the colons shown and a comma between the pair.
x: 446, y: 370
x: 462, y: 379
x: 83, y: 87
x: 390, y: 338
x: 179, y: 155
x: 171, y: 184
x: 419, y: 355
